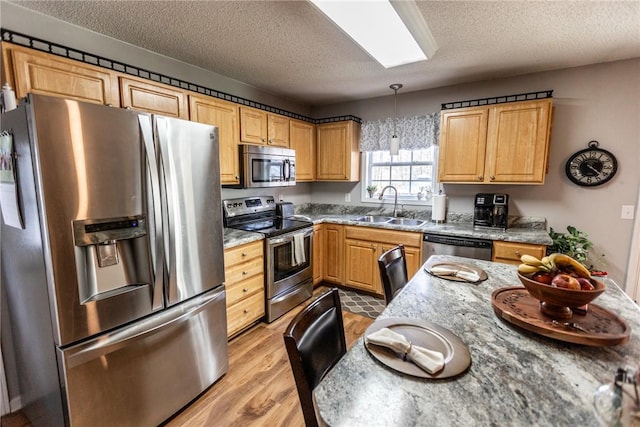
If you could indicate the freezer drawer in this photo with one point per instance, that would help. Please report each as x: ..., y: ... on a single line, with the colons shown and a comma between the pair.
x: 142, y: 374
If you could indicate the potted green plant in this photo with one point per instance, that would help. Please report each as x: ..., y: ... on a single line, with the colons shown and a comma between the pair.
x: 371, y: 189
x: 574, y: 243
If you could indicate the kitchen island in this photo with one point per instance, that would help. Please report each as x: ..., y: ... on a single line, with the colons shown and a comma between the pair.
x: 516, y: 377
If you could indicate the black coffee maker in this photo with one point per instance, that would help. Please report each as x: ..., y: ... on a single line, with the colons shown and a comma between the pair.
x: 491, y: 210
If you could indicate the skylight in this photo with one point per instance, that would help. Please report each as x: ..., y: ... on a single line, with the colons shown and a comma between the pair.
x: 381, y: 29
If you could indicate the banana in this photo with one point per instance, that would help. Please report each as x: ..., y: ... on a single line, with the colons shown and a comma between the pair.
x: 531, y: 260
x: 562, y: 261
x: 527, y: 269
x: 548, y: 262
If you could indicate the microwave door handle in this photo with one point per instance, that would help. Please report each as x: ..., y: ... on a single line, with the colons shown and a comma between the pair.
x: 286, y: 170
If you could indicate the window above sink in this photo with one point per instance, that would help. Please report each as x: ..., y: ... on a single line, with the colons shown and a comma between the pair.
x: 412, y: 172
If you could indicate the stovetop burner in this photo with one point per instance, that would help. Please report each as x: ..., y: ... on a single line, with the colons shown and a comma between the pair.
x: 258, y: 214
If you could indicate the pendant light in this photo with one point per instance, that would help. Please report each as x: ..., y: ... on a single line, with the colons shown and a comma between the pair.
x: 394, y: 146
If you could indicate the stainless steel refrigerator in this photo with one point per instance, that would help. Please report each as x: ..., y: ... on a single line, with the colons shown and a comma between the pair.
x: 112, y: 262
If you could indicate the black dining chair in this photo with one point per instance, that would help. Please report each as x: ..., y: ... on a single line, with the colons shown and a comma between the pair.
x: 393, y: 272
x: 315, y: 342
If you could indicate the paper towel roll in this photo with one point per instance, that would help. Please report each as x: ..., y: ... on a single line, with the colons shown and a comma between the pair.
x: 8, y: 98
x: 439, y: 208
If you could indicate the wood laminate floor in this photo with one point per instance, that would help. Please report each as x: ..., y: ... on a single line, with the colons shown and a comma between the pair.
x: 258, y: 389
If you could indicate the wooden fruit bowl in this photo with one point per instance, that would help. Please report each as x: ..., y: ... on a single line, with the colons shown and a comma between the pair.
x: 557, y: 302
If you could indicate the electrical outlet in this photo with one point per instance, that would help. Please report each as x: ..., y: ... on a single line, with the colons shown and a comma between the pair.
x: 627, y: 212
x: 347, y: 197
x: 280, y: 197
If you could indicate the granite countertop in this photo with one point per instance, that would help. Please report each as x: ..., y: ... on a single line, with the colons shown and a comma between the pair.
x: 521, y: 229
x: 519, y: 234
x: 233, y: 237
x: 516, y: 377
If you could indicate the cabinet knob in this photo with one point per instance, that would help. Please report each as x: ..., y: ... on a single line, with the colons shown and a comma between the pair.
x: 518, y: 254
x: 128, y: 107
x: 237, y: 177
x: 263, y: 139
x: 245, y: 289
x: 492, y: 178
x: 244, y: 273
x: 245, y: 311
x: 244, y: 254
x: 480, y: 177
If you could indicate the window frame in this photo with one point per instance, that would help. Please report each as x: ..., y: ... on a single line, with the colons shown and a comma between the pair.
x: 389, y: 196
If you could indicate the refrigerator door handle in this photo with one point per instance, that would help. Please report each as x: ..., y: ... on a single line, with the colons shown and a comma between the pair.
x: 155, y: 324
x: 162, y: 127
x: 154, y: 210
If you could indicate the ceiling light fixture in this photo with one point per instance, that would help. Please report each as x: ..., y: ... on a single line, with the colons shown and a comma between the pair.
x: 393, y: 32
x: 394, y: 146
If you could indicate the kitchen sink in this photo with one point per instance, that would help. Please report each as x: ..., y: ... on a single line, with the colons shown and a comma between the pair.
x: 405, y: 221
x: 389, y: 220
x: 373, y: 218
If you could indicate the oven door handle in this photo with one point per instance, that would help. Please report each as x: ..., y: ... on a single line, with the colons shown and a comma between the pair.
x: 287, y: 238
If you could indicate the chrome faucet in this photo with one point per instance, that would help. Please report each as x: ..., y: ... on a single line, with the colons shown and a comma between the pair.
x: 395, y: 200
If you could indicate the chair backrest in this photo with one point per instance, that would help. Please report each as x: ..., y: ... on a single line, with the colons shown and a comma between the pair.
x: 393, y: 272
x: 315, y: 342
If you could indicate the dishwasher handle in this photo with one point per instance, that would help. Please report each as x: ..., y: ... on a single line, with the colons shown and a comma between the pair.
x: 457, y: 241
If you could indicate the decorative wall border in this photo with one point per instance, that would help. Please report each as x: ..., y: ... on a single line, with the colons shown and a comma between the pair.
x: 498, y: 100
x: 91, y: 59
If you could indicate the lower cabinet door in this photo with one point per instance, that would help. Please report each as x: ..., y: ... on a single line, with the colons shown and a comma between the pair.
x: 362, y: 266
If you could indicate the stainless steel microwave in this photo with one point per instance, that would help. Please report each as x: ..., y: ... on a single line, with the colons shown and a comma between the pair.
x: 266, y: 167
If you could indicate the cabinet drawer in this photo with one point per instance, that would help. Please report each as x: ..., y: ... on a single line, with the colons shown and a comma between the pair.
x: 384, y: 236
x: 244, y: 313
x: 510, y: 253
x: 240, y: 272
x: 242, y: 253
x: 244, y: 288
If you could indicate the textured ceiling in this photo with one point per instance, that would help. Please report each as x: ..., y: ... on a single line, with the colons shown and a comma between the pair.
x: 290, y: 49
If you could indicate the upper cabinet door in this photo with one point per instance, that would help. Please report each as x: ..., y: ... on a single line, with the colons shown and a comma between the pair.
x: 253, y: 126
x: 151, y: 97
x: 224, y: 115
x: 46, y: 74
x: 463, y: 139
x: 302, y: 137
x: 338, y: 154
x: 518, y: 142
x: 278, y: 130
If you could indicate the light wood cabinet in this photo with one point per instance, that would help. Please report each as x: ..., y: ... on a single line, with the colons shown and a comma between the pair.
x: 224, y: 115
x: 510, y: 252
x: 302, y: 138
x: 36, y: 72
x: 503, y: 143
x: 151, y: 97
x: 363, y: 247
x: 244, y: 278
x: 333, y: 253
x: 338, y: 151
x: 263, y: 128
x: 318, y: 253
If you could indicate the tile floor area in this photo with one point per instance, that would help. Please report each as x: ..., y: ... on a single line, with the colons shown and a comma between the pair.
x: 364, y: 305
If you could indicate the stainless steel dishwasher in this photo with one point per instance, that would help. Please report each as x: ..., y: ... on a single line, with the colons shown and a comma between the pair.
x: 436, y: 244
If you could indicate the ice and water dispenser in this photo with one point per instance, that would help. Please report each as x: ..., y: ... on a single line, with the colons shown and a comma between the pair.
x: 112, y: 256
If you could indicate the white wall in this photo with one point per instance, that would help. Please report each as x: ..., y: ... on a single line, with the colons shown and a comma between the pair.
x: 599, y: 102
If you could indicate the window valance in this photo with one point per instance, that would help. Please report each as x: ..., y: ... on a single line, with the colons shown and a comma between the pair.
x: 413, y: 132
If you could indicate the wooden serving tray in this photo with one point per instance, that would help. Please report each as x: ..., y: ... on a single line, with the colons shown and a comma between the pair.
x: 598, y: 327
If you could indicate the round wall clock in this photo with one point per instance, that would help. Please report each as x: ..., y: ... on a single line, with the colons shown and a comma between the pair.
x: 591, y: 166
